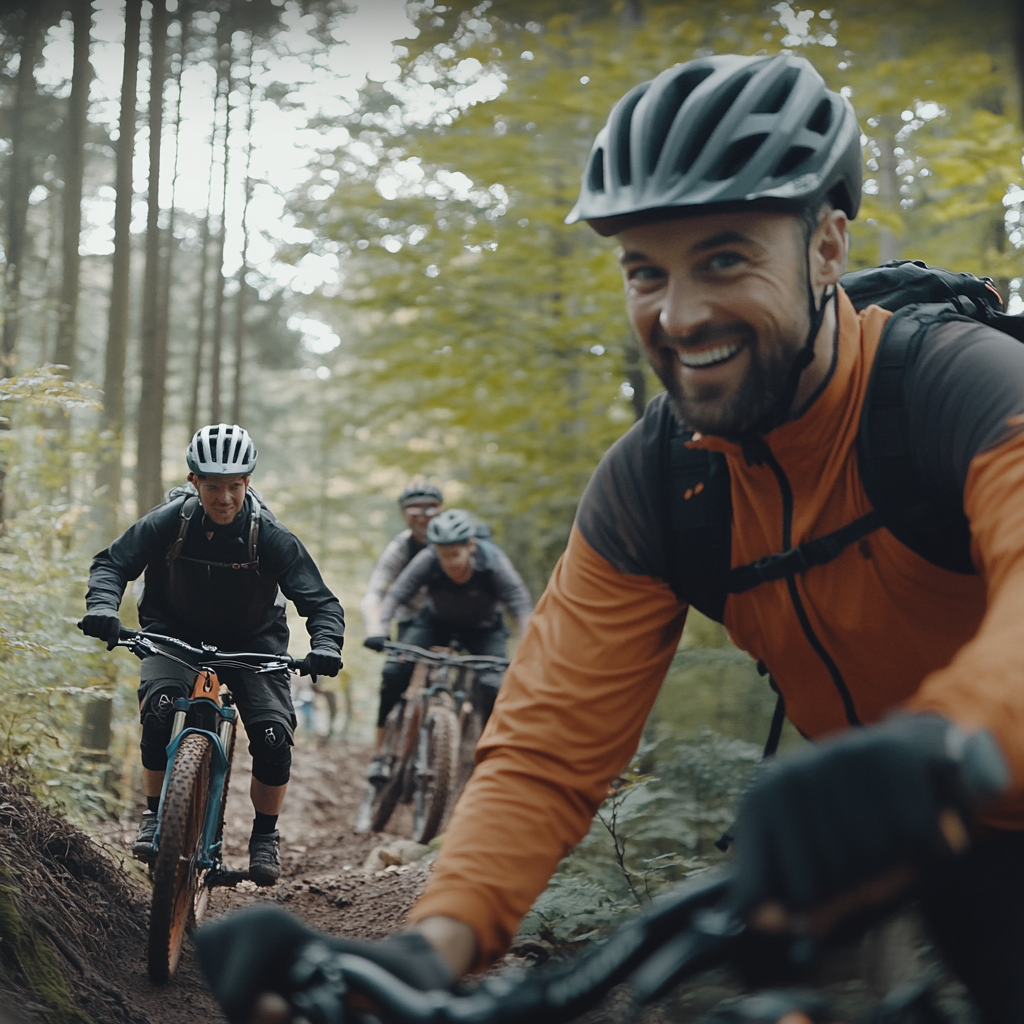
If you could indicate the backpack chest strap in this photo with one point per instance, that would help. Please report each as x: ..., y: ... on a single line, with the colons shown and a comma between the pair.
x: 188, y: 509
x: 819, y: 551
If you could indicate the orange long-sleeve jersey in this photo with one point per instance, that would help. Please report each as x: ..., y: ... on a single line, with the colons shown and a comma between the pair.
x: 875, y: 630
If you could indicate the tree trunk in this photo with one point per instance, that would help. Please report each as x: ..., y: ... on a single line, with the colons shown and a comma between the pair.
x: 200, y: 350
x: 633, y: 364
x: 19, y: 186
x: 888, y: 185
x: 108, y: 476
x: 218, y: 295
x: 148, y: 476
x: 74, y: 171
x: 204, y: 266
x: 243, y: 269
x: 164, y: 304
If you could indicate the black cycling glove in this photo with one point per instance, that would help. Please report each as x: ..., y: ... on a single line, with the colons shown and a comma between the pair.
x: 819, y: 822
x: 103, y: 625
x: 253, y: 951
x: 323, y: 662
x: 375, y: 643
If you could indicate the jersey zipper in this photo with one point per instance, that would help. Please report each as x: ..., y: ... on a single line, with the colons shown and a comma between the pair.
x: 764, y: 453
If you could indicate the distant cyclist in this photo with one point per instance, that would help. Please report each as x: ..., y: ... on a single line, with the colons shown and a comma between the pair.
x: 467, y: 579
x: 218, y: 567
x: 419, y: 503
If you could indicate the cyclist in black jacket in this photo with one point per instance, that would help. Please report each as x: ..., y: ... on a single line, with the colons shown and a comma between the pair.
x: 218, y: 567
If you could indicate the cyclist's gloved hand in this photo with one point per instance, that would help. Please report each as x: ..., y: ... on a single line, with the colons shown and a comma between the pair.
x: 375, y: 643
x: 819, y: 822
x: 324, y: 658
x: 103, y: 625
x: 253, y: 951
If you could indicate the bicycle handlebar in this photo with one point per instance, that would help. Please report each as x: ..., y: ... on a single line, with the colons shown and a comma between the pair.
x: 145, y: 645
x: 677, y: 935
x: 414, y: 653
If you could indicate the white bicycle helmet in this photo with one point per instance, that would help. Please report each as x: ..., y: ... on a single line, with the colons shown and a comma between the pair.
x: 454, y: 526
x: 221, y: 449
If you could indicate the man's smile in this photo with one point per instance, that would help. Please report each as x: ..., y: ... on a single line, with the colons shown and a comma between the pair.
x: 709, y: 356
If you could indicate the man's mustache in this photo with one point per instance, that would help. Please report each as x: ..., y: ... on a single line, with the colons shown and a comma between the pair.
x: 703, y: 335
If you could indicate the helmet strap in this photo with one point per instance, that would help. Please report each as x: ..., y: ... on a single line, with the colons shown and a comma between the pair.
x: 779, y: 412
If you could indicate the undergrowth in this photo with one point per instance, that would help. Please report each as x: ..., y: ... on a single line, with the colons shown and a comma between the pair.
x: 658, y: 827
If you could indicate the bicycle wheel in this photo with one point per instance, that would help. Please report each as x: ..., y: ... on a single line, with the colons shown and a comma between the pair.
x: 176, y: 875
x: 381, y: 798
x: 438, y: 765
x: 472, y: 725
x: 202, y: 896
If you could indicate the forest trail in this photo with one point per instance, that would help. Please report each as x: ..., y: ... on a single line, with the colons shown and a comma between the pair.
x: 322, y: 877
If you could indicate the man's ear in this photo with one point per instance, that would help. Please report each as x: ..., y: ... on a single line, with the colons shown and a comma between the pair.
x: 830, y: 244
x: 193, y: 480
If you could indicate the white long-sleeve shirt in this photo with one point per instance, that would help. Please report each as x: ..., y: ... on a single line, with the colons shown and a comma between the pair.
x: 394, y: 558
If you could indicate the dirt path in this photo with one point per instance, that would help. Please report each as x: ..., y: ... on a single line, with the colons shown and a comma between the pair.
x: 322, y: 878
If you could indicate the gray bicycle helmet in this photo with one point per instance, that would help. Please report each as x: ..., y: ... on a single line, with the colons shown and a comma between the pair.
x: 453, y: 526
x: 221, y: 449
x: 418, y: 492
x: 719, y: 131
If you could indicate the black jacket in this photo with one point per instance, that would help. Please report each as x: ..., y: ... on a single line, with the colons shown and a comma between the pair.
x: 200, y: 597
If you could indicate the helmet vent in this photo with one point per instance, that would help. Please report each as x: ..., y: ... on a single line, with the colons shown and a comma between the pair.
x: 777, y: 93
x: 714, y: 114
x: 595, y: 179
x: 793, y: 158
x: 661, y: 119
x: 736, y: 157
x: 821, y: 119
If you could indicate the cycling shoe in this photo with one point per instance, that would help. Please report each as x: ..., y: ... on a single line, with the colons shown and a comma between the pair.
x: 265, y: 858
x: 143, y: 848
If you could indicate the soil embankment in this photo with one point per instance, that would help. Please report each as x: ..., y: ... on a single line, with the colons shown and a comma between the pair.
x: 80, y: 916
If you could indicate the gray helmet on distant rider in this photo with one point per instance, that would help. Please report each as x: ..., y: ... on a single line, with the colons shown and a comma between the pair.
x: 221, y: 449
x: 720, y: 131
x: 419, y: 492
x: 454, y: 526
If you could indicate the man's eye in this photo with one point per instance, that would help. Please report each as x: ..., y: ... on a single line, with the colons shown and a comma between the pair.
x: 645, y: 274
x: 724, y: 260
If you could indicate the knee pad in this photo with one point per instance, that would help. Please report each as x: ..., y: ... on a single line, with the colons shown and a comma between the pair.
x: 271, y: 749
x: 157, y: 718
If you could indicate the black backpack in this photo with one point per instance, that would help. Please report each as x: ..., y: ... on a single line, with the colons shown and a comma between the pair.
x: 189, y: 507
x: 696, y: 499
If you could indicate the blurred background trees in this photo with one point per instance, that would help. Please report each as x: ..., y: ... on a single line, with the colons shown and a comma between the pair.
x: 209, y: 213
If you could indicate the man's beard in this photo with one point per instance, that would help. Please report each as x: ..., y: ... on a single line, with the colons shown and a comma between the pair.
x: 711, y: 409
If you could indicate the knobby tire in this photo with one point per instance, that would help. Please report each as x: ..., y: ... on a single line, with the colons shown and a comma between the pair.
x: 176, y: 881
x: 434, y: 785
x: 472, y: 726
x: 385, y: 797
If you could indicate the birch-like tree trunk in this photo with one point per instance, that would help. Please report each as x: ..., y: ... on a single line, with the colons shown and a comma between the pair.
x: 148, y: 477
x: 74, y: 172
x: 216, y: 358
x: 108, y: 476
x: 243, y: 269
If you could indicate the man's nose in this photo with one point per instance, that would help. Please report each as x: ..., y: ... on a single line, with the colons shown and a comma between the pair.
x: 683, y: 310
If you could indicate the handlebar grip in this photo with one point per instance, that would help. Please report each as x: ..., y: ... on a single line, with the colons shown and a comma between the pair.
x: 127, y: 634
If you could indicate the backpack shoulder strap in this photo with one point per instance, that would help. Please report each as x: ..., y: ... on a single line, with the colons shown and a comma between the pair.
x: 188, y: 509
x: 933, y: 529
x: 697, y: 509
x: 254, y: 528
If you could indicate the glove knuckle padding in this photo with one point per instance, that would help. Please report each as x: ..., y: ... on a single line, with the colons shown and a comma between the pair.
x: 843, y: 812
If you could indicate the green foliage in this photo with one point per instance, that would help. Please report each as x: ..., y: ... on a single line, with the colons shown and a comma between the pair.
x: 658, y: 826
x: 48, y: 670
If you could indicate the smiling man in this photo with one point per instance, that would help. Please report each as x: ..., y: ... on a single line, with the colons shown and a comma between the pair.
x: 729, y: 182
x: 218, y: 567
